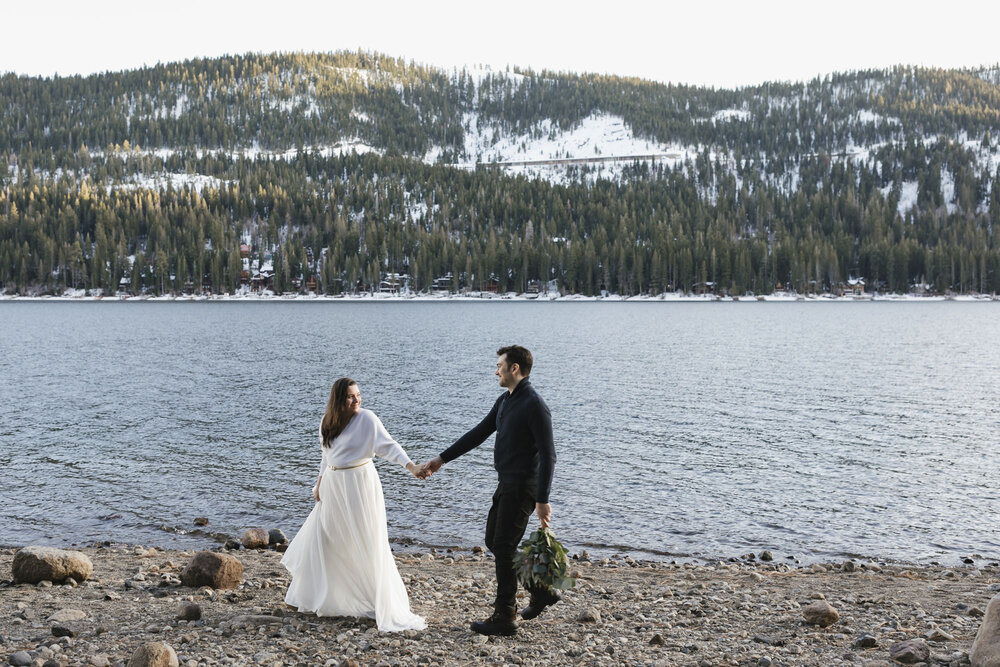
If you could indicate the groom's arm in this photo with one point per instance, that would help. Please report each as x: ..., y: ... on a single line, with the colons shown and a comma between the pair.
x: 475, y: 437
x: 541, y: 429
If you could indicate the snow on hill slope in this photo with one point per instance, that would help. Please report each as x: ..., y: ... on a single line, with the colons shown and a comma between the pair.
x: 602, y: 141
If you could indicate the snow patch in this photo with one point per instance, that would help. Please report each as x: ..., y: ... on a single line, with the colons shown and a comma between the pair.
x: 908, y: 192
x: 867, y: 116
x: 178, y: 181
x: 725, y: 115
x: 948, y: 190
x: 597, y: 135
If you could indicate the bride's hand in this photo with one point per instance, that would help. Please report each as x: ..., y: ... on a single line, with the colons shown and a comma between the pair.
x: 415, y: 470
x: 316, y: 489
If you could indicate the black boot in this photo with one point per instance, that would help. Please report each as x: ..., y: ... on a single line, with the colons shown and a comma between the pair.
x: 500, y: 623
x: 540, y: 599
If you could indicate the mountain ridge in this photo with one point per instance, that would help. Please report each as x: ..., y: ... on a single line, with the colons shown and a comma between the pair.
x: 920, y: 141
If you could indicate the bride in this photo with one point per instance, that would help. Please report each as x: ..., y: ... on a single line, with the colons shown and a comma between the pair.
x: 340, y: 560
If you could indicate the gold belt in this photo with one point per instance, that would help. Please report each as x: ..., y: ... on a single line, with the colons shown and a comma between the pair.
x: 366, y: 462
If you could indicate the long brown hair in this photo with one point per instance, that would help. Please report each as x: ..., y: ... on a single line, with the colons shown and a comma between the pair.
x: 336, y: 416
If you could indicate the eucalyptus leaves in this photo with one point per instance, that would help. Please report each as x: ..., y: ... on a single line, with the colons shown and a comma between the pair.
x: 541, y: 562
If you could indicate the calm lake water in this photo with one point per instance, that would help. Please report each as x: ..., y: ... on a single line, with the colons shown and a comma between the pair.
x: 817, y: 431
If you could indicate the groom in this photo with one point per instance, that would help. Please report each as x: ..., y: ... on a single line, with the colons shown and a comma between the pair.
x: 524, y: 458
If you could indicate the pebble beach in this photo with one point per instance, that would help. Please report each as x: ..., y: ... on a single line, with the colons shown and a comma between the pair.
x: 621, y: 612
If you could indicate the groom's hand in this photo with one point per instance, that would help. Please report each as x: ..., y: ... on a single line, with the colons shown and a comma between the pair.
x: 432, y: 466
x: 544, y: 511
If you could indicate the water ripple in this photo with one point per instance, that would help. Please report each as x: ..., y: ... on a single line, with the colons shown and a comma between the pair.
x: 819, y: 430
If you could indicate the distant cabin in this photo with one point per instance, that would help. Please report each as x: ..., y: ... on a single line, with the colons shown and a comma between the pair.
x: 443, y: 284
x: 392, y: 283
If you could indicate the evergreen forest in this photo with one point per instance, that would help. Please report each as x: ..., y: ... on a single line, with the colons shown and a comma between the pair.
x: 343, y: 172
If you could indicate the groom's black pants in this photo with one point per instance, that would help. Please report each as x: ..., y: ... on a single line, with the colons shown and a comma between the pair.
x: 513, y: 504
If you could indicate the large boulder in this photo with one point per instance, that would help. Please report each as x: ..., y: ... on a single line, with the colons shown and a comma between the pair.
x: 34, y: 564
x: 189, y: 611
x: 256, y: 538
x: 153, y: 654
x: 820, y: 613
x: 208, y: 568
x: 910, y: 652
x: 986, y: 649
x: 67, y: 616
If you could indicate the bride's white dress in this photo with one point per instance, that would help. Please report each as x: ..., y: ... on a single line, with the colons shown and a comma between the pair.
x: 340, y: 560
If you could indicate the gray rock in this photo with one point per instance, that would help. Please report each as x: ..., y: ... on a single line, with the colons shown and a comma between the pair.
x: 189, y: 611
x: 589, y: 616
x: 154, y: 654
x: 938, y: 635
x: 20, y: 659
x: 766, y: 556
x: 100, y: 660
x: 820, y: 613
x: 986, y: 648
x: 201, y: 521
x: 657, y: 640
x: 33, y: 565
x: 276, y: 536
x: 62, y: 630
x: 770, y: 641
x: 848, y: 566
x: 208, y: 568
x: 254, y: 620
x: 865, y: 641
x: 910, y: 652
x: 255, y: 538
x: 67, y: 616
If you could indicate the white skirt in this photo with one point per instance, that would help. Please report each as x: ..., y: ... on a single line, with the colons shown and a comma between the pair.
x: 340, y: 560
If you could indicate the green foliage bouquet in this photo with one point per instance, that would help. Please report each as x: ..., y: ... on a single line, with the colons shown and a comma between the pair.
x: 541, y: 562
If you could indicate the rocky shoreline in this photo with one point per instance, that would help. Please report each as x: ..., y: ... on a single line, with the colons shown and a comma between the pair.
x: 621, y: 612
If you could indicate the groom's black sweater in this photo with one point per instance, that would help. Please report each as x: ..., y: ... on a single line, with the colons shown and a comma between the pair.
x: 524, y: 450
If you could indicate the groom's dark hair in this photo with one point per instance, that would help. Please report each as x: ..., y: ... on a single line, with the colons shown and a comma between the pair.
x: 517, y: 355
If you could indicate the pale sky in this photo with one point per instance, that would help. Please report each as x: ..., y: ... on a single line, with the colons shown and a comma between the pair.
x: 722, y: 44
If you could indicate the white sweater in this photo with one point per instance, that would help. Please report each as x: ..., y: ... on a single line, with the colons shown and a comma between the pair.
x: 362, y: 438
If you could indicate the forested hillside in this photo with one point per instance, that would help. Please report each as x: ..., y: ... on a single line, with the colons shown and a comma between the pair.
x: 335, y: 172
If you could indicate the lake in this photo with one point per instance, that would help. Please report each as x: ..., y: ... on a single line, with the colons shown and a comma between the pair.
x: 683, y: 430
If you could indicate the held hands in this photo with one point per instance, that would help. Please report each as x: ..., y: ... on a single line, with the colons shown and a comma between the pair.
x: 416, y: 471
x: 430, y: 467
